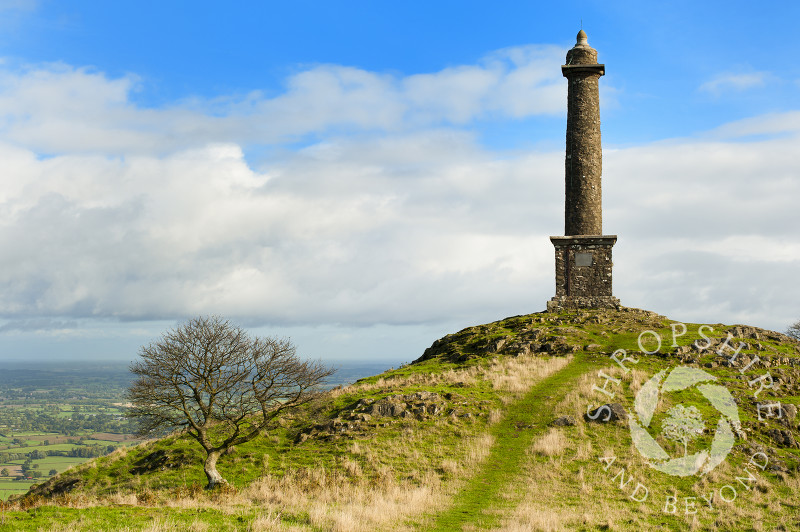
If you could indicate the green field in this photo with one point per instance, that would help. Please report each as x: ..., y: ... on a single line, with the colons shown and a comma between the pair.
x: 10, y: 487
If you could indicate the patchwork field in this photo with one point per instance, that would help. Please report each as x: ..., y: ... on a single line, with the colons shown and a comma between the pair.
x: 55, y: 418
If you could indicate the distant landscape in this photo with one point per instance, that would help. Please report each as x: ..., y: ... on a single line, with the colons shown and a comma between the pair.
x: 56, y: 415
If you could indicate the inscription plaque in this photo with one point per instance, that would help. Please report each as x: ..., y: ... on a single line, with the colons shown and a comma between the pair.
x: 583, y: 259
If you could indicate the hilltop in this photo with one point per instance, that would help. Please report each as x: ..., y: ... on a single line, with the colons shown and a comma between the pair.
x: 490, y: 428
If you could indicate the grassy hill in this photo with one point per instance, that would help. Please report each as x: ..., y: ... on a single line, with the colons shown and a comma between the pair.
x: 488, y: 429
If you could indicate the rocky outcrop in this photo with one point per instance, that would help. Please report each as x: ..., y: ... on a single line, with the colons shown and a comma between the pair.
x: 545, y: 333
x: 161, y: 460
x: 789, y: 412
x: 756, y: 333
x: 56, y: 486
x: 367, y: 411
x: 476, y: 342
x: 753, y: 338
x: 420, y: 404
x: 783, y: 438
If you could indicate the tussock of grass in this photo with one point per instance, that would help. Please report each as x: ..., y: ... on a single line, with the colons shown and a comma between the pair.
x: 553, y: 443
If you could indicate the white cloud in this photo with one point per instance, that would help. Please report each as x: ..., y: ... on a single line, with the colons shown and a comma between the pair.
x: 708, y: 229
x: 768, y: 124
x: 318, y: 239
x: 392, y: 214
x: 735, y: 82
x: 515, y: 83
x: 56, y: 108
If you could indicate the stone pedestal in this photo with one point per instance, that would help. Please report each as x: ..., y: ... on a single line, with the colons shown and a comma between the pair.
x: 583, y: 272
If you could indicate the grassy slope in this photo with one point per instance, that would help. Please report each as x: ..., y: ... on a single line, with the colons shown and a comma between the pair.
x: 524, y: 421
x: 434, y: 473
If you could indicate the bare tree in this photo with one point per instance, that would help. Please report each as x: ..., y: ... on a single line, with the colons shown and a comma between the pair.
x: 221, y: 386
x: 794, y: 330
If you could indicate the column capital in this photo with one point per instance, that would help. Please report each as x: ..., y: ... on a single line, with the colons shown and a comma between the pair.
x: 584, y: 70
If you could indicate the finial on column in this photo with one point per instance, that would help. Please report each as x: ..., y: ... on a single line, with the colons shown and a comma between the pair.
x: 582, y: 38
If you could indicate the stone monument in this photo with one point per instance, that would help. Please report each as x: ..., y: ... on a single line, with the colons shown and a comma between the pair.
x: 583, y: 255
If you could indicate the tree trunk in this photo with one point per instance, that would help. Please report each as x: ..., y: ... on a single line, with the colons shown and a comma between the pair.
x: 214, y: 478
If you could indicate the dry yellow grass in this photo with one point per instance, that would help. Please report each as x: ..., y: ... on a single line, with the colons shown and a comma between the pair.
x: 335, y: 501
x: 508, y: 374
x: 552, y: 443
x: 518, y: 374
x: 576, y: 401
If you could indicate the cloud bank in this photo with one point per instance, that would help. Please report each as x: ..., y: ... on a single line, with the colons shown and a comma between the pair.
x: 376, y: 203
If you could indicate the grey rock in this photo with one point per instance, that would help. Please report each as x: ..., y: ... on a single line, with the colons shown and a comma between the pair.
x: 564, y: 421
x: 363, y: 402
x: 682, y: 350
x: 778, y: 466
x: 435, y: 409
x: 495, y: 345
x: 384, y: 407
x: 421, y: 396
x: 455, y: 397
x: 606, y: 413
x: 783, y: 438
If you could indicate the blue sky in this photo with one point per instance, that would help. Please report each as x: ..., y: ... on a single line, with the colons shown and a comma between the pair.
x: 368, y: 176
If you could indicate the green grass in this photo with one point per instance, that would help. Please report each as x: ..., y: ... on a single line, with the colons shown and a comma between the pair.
x: 128, y: 518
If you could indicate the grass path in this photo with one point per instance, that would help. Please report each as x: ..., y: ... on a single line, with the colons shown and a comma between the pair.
x: 525, y: 420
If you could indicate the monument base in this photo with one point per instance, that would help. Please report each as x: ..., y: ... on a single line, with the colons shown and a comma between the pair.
x: 566, y: 303
x: 583, y: 272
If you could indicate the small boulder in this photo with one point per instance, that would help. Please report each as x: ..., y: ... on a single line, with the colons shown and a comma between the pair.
x: 564, y: 421
x: 364, y: 402
x: 683, y: 350
x: 455, y: 397
x: 495, y: 345
x: 607, y: 412
x: 387, y: 407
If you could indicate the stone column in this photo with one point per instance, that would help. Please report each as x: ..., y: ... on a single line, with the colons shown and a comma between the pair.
x: 583, y: 255
x: 583, y: 208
